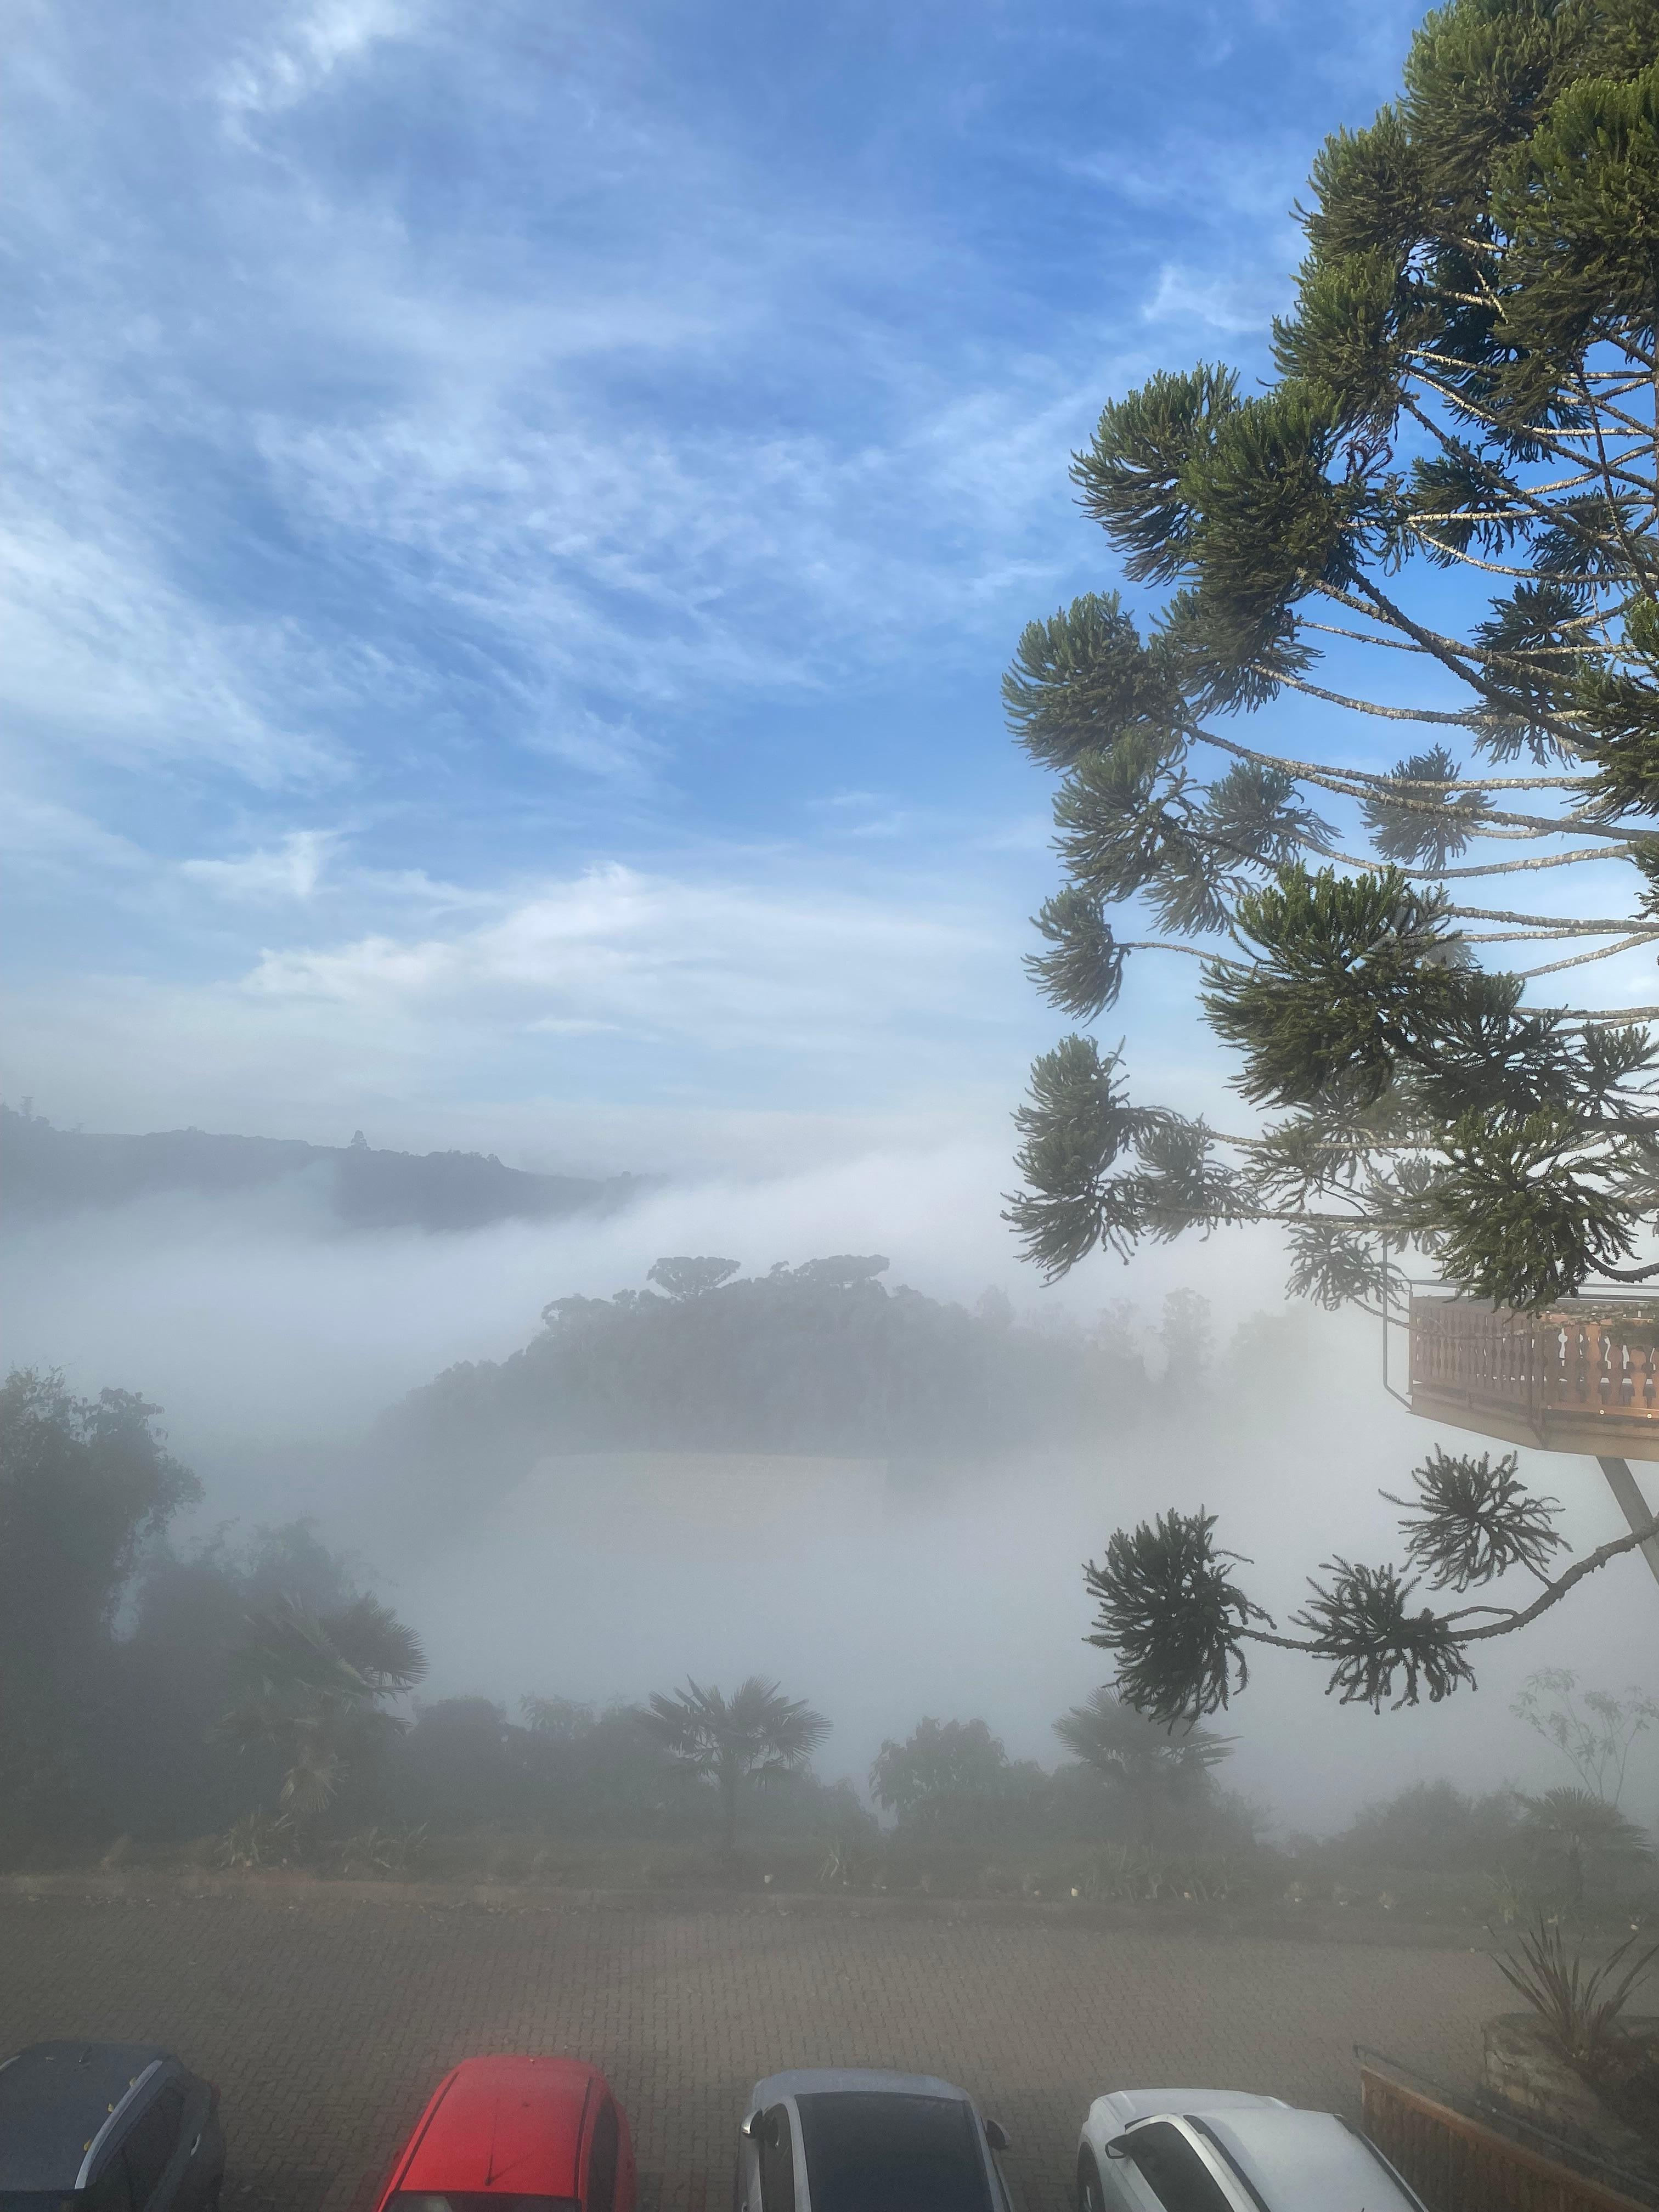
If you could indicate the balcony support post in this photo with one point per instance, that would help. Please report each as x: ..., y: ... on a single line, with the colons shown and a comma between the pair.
x: 1633, y: 1504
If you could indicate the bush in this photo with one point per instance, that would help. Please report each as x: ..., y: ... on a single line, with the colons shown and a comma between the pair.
x: 1433, y: 1825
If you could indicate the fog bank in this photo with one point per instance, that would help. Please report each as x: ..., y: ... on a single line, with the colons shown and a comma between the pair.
x: 882, y: 1593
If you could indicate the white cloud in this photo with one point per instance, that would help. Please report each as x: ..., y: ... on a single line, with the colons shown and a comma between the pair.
x: 301, y: 56
x: 290, y: 870
x: 1236, y: 303
x: 653, y: 562
x: 468, y: 424
x: 102, y: 656
x: 42, y: 834
x: 636, y: 1019
x: 729, y: 965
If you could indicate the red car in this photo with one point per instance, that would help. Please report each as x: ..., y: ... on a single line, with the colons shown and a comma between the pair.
x: 517, y: 2135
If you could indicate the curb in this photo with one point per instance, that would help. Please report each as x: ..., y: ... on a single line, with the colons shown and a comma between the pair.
x: 294, y: 1891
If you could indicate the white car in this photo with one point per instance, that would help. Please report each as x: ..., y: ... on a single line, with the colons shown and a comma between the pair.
x: 854, y: 2139
x: 1218, y: 2150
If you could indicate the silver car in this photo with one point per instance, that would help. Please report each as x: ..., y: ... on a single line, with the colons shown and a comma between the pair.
x: 850, y: 2139
x: 1218, y: 2150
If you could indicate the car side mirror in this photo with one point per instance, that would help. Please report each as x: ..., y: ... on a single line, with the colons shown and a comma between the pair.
x: 996, y: 2134
x: 750, y: 2130
x: 1120, y: 2146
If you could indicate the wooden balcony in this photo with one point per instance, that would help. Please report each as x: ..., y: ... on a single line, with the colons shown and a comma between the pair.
x: 1582, y: 1377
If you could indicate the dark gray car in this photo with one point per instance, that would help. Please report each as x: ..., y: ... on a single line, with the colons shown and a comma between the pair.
x: 107, y: 2127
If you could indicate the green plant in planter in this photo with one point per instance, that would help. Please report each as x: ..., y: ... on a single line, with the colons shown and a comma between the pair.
x: 1580, y: 2005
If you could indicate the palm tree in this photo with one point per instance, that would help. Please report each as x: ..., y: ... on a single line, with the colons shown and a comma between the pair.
x: 1579, y: 1834
x: 313, y: 1686
x: 1158, y: 1769
x: 757, y: 1735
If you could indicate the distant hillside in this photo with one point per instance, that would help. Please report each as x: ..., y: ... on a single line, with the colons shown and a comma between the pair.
x: 45, y: 1172
x: 820, y: 1359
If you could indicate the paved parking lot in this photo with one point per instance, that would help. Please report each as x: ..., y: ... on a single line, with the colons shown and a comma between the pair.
x: 326, y: 2022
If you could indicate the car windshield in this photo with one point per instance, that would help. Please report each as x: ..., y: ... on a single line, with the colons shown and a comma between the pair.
x: 870, y: 2150
x: 475, y: 2200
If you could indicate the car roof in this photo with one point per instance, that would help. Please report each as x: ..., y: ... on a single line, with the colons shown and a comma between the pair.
x: 508, y: 2123
x: 826, y: 2081
x: 1307, y: 2160
x: 54, y: 2099
x: 1125, y: 2106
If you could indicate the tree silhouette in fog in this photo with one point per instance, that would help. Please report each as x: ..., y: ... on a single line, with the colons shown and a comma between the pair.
x: 1579, y: 1836
x: 949, y: 1777
x: 85, y: 1483
x: 756, y: 1736
x: 688, y: 1278
x: 1161, y: 1773
x: 823, y: 1358
x: 314, y: 1687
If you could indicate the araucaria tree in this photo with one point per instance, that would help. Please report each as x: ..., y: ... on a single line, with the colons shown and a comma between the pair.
x: 1442, y: 515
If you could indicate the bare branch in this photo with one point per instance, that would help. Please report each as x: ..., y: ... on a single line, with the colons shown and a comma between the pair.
x: 1511, y: 1621
x: 1549, y: 921
x: 1463, y: 720
x: 1590, y: 1564
x: 1582, y: 959
x: 1357, y: 783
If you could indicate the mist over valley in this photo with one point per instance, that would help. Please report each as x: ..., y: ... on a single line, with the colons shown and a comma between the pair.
x: 871, y: 1477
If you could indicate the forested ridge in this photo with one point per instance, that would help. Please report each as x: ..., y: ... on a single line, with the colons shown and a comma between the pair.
x: 821, y: 1358
x: 51, y: 1172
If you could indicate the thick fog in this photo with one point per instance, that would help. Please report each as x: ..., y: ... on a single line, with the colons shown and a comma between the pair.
x: 881, y: 1593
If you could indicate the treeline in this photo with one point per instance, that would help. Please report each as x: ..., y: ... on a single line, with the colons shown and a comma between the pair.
x: 251, y: 1701
x: 115, y: 1654
x: 819, y: 1359
x: 573, y: 1771
x: 51, y: 1172
x: 251, y: 1688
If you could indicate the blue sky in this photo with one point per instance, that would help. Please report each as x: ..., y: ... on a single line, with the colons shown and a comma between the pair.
x: 516, y: 516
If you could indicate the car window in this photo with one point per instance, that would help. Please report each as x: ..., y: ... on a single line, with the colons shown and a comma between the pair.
x: 1173, y: 2170
x: 109, y: 2192
x: 149, y: 2142
x: 602, y: 2162
x: 872, y: 2150
x: 777, y: 2161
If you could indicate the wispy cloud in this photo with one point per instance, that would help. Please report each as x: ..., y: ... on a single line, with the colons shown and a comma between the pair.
x: 728, y: 966
x: 44, y: 836
x: 1230, y: 303
x: 298, y: 55
x: 478, y: 478
x: 290, y: 870
x: 102, y: 655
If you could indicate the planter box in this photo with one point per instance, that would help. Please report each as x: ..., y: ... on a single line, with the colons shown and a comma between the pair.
x: 1525, y: 2073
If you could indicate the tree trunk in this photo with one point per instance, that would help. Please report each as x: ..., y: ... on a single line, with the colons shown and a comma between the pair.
x: 729, y: 1810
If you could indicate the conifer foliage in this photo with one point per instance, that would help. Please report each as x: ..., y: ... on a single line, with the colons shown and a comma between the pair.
x: 1442, y: 515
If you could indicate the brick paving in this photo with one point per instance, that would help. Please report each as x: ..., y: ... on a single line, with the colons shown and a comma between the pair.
x: 327, y: 2022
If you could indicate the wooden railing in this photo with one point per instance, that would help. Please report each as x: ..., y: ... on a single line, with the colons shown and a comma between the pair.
x: 1582, y: 1377
x: 1456, y: 2165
